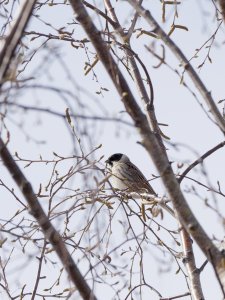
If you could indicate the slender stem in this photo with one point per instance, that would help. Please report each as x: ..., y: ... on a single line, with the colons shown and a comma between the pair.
x: 189, y: 261
x: 184, y: 62
x: 38, y: 277
x: 176, y: 297
x: 222, y: 5
x: 48, y: 229
x: 149, y: 140
x: 200, y: 160
x: 133, y: 23
x: 14, y: 36
x: 148, y: 100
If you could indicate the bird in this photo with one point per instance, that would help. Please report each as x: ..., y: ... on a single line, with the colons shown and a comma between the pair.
x: 126, y: 177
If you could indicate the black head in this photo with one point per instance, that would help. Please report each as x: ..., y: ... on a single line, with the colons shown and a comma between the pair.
x: 113, y: 158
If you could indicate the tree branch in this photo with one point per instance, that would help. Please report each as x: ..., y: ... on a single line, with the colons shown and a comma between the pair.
x: 48, y: 229
x: 148, y: 101
x: 149, y: 140
x: 200, y: 160
x: 184, y: 61
x: 7, y: 52
x: 133, y: 22
x: 14, y: 36
x: 189, y: 261
x: 63, y: 116
x: 222, y: 5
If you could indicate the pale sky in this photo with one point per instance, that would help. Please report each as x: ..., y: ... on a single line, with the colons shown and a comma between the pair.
x: 188, y: 127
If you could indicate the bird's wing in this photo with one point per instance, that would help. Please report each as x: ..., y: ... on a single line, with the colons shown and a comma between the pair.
x: 142, y: 182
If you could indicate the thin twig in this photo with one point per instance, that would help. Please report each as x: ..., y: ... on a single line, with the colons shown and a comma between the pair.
x: 61, y: 115
x: 184, y: 62
x: 200, y: 160
x: 38, y: 277
x: 176, y: 297
x: 149, y: 140
x: 133, y: 23
x: 14, y: 36
x: 148, y: 100
x: 48, y: 229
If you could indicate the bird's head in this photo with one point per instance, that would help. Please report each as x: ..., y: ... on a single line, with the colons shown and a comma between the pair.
x: 117, y: 158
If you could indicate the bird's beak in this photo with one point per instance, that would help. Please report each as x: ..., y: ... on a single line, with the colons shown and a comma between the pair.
x: 108, y: 163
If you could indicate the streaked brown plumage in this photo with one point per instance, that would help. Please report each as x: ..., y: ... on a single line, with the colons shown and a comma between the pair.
x: 126, y: 176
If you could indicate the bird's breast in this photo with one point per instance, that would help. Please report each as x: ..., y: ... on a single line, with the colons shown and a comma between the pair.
x: 118, y: 178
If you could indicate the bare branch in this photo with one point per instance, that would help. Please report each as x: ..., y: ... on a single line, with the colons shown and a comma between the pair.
x: 176, y: 297
x: 61, y: 115
x: 113, y: 236
x: 150, y: 142
x: 222, y: 5
x: 48, y: 229
x: 148, y: 100
x: 184, y: 62
x: 133, y: 23
x: 39, y: 271
x: 189, y: 261
x: 116, y: 76
x: 200, y: 160
x: 14, y: 36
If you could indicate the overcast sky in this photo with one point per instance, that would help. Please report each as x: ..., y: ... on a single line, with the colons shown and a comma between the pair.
x: 60, y: 65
